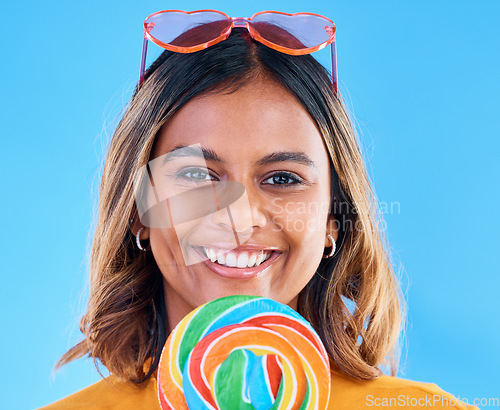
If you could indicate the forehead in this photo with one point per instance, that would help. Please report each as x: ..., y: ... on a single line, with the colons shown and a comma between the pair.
x: 261, y: 117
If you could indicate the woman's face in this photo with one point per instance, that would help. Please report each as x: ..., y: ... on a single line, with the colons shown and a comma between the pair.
x: 261, y: 137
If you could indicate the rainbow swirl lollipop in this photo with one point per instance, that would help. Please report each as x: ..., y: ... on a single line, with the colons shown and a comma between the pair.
x: 244, y: 352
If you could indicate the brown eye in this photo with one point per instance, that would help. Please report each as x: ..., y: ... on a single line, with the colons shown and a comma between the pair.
x: 283, y: 178
x: 195, y: 175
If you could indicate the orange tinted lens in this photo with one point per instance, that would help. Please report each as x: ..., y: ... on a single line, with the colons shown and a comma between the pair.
x: 186, y: 30
x: 297, y: 32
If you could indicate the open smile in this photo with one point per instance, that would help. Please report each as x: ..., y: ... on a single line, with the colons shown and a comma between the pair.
x: 237, y: 265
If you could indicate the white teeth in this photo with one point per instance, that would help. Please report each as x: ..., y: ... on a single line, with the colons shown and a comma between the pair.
x: 240, y: 259
x: 221, y: 259
x: 211, y: 254
x: 260, y: 258
x: 231, y: 260
x: 252, y: 259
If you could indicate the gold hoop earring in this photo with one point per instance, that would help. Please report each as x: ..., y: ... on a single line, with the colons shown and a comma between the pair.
x: 333, y: 247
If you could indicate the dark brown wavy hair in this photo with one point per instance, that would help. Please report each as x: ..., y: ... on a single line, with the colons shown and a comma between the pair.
x: 125, y: 324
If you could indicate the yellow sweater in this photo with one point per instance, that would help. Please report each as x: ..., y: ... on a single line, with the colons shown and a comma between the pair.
x: 347, y: 393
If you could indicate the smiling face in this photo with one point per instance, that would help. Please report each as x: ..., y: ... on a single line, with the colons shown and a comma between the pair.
x: 261, y: 137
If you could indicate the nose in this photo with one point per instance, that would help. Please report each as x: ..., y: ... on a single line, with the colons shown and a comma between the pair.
x: 245, y: 214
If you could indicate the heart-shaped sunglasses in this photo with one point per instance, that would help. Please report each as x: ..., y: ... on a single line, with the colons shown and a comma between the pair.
x: 191, y: 31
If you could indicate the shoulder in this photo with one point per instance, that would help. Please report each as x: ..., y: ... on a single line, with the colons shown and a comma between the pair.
x: 346, y: 393
x: 110, y: 394
x: 390, y: 392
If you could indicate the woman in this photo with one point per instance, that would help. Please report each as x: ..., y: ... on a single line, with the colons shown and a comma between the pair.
x: 304, y: 231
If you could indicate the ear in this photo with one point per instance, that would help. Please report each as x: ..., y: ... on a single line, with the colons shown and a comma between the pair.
x: 332, y: 229
x: 135, y: 224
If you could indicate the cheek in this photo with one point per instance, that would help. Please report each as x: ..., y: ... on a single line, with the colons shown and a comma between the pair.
x: 304, y: 230
x: 165, y: 248
x: 302, y: 219
x: 303, y: 226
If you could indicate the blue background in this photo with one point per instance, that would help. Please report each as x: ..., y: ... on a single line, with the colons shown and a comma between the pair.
x: 421, y: 78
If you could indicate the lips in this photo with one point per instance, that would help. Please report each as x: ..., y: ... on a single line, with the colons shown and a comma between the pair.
x: 237, y: 264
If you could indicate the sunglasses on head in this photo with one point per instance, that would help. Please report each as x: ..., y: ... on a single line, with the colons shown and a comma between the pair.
x: 191, y: 31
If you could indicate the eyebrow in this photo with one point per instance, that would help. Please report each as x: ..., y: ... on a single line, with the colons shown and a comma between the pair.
x: 210, y: 155
x: 181, y: 151
x: 284, y: 156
